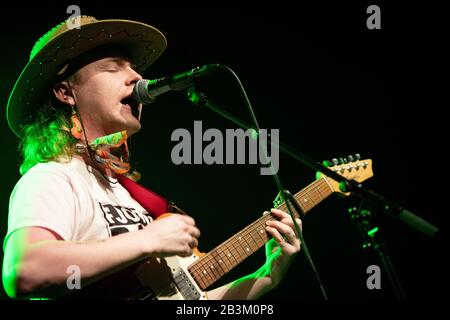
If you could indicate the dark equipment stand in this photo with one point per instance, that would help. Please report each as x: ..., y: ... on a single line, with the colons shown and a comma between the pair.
x: 372, y: 239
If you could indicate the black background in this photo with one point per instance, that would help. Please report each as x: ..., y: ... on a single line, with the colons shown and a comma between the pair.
x: 329, y: 84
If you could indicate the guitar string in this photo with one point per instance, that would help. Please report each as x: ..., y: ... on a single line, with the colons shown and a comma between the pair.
x: 247, y: 232
x: 209, y: 259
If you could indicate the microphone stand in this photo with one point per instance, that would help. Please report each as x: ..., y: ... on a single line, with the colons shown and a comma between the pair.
x: 345, y: 185
x: 390, y: 207
x: 200, y: 98
x: 370, y: 233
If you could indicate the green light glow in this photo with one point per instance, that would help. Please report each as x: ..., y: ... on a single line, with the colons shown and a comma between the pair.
x: 273, y: 251
x: 45, y: 140
x: 254, y: 134
x: 193, y: 96
x: 371, y: 233
x: 14, y: 252
x: 318, y: 173
x: 343, y: 186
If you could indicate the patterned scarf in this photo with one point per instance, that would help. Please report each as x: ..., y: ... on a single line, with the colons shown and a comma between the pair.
x: 112, y: 151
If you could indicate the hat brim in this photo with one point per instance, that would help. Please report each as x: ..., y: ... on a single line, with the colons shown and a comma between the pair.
x: 144, y: 42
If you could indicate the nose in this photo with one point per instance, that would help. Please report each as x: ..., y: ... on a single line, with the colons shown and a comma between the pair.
x: 133, y: 76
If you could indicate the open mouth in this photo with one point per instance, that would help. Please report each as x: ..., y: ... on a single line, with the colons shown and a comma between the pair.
x: 133, y: 104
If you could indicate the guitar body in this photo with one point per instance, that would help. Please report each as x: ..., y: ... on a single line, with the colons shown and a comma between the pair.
x: 169, y: 279
x: 152, y: 279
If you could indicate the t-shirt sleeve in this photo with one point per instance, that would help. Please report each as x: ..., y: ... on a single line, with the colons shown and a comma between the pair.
x: 43, y: 198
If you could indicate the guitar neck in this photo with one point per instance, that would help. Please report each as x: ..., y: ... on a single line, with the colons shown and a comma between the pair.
x: 219, y: 261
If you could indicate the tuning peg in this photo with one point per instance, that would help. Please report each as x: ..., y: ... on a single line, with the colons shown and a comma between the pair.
x: 335, y: 161
x: 358, y: 156
x: 350, y: 158
x: 342, y: 160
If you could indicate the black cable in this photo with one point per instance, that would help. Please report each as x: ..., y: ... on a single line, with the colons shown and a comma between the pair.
x: 85, y: 137
x: 278, y: 181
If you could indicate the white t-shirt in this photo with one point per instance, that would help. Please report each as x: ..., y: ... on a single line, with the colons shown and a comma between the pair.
x: 74, y: 200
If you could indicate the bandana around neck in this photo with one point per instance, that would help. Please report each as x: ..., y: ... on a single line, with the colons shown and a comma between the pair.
x: 112, y: 151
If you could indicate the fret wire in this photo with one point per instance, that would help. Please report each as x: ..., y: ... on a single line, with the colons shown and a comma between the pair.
x: 241, y: 253
x: 254, y: 236
x: 323, y: 184
x: 243, y: 244
x: 306, y: 193
x: 307, y: 190
x: 215, y: 270
x: 255, y: 233
x: 218, y: 255
x: 201, y: 263
x: 236, y: 256
x: 248, y: 242
x: 202, y: 279
x: 232, y: 250
x: 218, y: 258
x: 318, y: 193
x: 198, y: 277
x: 259, y: 220
x: 206, y: 266
x: 314, y: 192
x: 206, y: 275
x: 263, y: 234
x: 252, y: 243
x: 211, y: 268
x: 236, y: 239
x: 239, y: 257
x: 311, y: 200
x: 224, y: 256
x: 199, y: 280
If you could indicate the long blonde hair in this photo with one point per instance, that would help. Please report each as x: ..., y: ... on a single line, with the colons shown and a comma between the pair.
x: 45, y: 139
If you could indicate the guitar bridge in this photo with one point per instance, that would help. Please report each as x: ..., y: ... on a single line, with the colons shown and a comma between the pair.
x: 184, y: 284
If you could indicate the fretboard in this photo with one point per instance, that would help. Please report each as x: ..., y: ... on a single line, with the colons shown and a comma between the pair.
x: 220, y: 260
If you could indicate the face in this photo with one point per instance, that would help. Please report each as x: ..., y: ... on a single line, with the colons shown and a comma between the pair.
x: 102, y: 91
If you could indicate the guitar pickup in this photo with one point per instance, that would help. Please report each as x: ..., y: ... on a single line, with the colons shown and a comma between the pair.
x: 184, y: 284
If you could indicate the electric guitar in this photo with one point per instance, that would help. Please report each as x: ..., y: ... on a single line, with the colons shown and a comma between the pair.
x: 178, y: 278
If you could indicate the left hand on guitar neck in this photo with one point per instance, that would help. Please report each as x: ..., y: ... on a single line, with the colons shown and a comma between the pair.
x: 283, y: 247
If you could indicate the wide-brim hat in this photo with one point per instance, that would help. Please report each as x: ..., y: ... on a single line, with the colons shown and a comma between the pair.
x: 62, y: 45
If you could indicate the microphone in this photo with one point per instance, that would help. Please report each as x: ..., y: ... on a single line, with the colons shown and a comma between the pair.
x: 145, y: 91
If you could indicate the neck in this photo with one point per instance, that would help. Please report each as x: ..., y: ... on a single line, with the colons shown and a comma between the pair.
x: 87, y: 159
x: 111, y: 151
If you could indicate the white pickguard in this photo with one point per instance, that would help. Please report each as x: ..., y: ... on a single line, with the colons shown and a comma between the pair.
x: 157, y: 274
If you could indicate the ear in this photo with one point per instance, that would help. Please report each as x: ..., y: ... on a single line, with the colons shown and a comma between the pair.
x: 63, y: 93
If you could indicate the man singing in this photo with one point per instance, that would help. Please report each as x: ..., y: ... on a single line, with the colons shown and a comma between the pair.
x: 73, y: 110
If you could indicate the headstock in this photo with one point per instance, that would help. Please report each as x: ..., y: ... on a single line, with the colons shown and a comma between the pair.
x: 352, y: 168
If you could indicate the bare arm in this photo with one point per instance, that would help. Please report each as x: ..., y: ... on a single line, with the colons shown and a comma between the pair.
x: 250, y: 287
x: 36, y: 259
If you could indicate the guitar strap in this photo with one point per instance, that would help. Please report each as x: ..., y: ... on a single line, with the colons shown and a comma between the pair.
x: 155, y: 204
